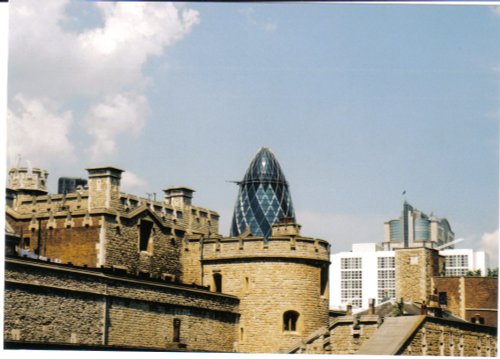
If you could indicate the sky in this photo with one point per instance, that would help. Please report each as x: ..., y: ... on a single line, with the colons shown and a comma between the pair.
x: 358, y: 103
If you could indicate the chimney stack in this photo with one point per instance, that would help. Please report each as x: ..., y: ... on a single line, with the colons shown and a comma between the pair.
x: 371, y: 306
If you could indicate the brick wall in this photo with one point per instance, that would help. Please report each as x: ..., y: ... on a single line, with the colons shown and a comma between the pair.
x: 481, y: 297
x: 469, y: 297
x: 76, y: 244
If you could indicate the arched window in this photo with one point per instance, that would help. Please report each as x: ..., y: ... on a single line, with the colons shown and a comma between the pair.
x: 290, y: 319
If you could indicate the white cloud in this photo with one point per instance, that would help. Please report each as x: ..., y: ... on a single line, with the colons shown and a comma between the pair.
x: 37, y: 131
x: 117, y: 114
x: 489, y: 244
x: 95, y: 61
x: 250, y: 16
x: 97, y: 67
x: 132, y: 183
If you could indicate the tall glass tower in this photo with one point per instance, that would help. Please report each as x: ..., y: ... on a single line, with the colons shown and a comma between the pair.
x: 263, y: 198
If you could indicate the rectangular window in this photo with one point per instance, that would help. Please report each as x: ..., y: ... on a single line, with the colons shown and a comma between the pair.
x: 179, y: 214
x: 351, y: 281
x: 386, y: 279
x: 145, y: 229
x: 443, y: 298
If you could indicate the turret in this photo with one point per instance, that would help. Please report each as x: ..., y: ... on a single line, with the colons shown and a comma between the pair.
x: 104, y: 187
x: 178, y: 196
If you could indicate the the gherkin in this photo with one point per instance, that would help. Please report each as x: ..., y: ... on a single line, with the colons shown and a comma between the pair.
x: 263, y: 197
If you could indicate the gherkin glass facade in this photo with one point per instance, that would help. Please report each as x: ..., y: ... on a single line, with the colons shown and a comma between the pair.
x: 263, y: 197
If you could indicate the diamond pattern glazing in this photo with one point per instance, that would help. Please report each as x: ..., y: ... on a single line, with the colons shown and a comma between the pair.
x: 263, y: 197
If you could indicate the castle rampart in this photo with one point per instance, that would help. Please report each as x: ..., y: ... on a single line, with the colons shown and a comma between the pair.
x: 50, y: 303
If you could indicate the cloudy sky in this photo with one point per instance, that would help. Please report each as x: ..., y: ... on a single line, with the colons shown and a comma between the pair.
x: 358, y: 102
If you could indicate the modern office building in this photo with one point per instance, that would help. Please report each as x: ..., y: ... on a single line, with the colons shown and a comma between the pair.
x: 67, y: 185
x: 417, y: 229
x: 263, y: 198
x: 368, y: 271
x: 459, y: 262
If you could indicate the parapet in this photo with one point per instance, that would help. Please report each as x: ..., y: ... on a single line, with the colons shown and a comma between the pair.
x: 284, y: 247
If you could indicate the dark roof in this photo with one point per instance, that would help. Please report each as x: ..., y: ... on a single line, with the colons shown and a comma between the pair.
x: 388, y: 309
x: 264, y: 167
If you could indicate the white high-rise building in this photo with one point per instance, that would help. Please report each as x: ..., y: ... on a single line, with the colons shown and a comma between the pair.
x: 367, y: 272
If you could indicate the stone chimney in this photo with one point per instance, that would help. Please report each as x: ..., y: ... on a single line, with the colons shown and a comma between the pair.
x: 104, y: 187
x: 348, y: 310
x: 371, y: 306
x: 423, y: 308
x: 415, y: 268
x: 178, y: 196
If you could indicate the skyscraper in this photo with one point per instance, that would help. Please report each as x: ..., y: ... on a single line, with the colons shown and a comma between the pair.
x: 414, y: 229
x: 263, y: 198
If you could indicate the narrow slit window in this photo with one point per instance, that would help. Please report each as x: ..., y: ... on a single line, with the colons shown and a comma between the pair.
x: 217, y: 282
x: 324, y: 281
x: 177, y: 330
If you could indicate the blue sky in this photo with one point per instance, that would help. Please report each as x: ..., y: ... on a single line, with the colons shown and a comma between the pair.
x: 358, y: 103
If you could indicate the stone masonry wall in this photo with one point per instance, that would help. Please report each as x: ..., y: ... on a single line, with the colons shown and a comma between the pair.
x: 454, y: 293
x: 122, y: 246
x: 299, y: 247
x: 267, y: 288
x: 345, y: 339
x: 345, y: 335
x: 35, y: 314
x: 54, y: 303
x: 447, y: 338
x: 415, y: 268
x: 191, y: 261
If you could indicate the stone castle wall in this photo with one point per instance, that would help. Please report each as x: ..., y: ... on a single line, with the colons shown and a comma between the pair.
x: 415, y: 268
x: 453, y: 288
x: 54, y: 304
x: 346, y: 337
x: 161, y: 256
x: 447, y: 338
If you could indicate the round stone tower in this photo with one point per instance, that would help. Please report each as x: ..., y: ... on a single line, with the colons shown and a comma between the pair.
x: 282, y: 283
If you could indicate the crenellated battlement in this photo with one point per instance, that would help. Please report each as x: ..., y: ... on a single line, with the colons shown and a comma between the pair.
x: 224, y: 248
